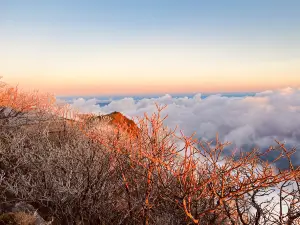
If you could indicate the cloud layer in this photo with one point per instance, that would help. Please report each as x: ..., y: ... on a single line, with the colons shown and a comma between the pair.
x: 245, y: 121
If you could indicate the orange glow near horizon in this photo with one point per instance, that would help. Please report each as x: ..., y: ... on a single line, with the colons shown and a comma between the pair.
x: 110, y: 88
x: 143, y: 70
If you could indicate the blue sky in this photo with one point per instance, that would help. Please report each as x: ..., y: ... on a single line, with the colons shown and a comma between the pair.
x: 258, y: 18
x: 240, y: 34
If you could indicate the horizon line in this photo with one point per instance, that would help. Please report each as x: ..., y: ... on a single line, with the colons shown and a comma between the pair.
x: 160, y: 94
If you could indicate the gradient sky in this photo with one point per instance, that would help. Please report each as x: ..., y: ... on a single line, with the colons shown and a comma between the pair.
x: 158, y: 46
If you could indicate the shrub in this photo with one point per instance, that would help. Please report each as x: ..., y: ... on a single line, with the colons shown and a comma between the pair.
x: 89, y: 171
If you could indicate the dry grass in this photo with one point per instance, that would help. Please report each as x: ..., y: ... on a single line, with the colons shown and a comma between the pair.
x: 18, y: 218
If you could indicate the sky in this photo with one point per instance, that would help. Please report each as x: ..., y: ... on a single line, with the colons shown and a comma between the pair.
x: 142, y: 47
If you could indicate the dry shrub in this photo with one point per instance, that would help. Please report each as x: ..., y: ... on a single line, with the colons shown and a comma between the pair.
x: 90, y: 171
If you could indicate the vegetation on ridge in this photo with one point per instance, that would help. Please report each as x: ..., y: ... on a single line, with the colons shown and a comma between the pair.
x: 99, y: 173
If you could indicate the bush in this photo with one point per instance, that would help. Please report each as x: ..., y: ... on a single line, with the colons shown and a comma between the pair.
x: 83, y: 172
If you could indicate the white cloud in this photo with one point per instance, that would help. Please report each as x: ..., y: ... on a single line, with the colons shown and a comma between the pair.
x: 86, y: 106
x: 252, y: 120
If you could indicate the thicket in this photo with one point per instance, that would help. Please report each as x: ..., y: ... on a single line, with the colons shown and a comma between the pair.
x: 83, y: 170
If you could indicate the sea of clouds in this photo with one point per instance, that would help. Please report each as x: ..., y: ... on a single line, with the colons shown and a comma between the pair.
x: 244, y: 121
